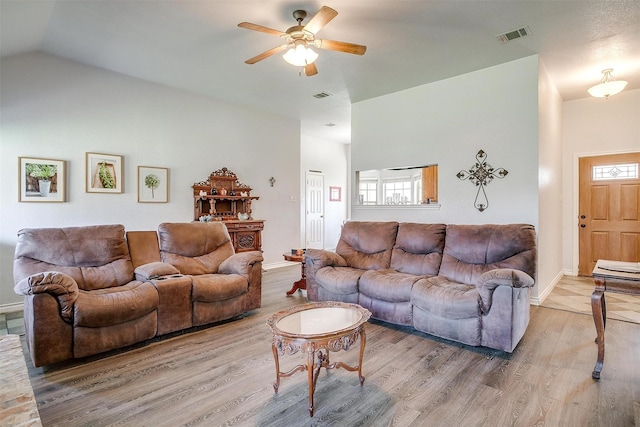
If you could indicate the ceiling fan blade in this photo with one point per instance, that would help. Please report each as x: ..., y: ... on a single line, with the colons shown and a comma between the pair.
x: 266, y: 54
x: 310, y: 70
x: 262, y: 29
x: 322, y: 18
x: 356, y: 49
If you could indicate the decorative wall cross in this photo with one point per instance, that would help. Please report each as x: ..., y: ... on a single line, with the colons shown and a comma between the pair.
x: 481, y: 174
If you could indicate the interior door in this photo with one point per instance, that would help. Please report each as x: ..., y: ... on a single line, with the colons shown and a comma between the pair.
x: 609, y: 210
x: 314, y: 217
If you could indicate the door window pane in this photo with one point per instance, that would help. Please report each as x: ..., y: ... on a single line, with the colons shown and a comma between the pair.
x: 606, y: 172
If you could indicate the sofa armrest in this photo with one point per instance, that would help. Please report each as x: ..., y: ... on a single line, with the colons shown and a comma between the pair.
x: 321, y: 258
x: 61, y: 286
x: 153, y: 270
x: 240, y: 263
x: 500, y: 277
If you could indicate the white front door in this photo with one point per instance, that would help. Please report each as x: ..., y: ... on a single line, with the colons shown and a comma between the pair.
x: 314, y: 223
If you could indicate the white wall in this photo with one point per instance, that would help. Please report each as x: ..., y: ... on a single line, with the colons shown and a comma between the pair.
x: 332, y: 160
x: 58, y: 109
x: 550, y: 186
x: 593, y: 126
x: 446, y: 123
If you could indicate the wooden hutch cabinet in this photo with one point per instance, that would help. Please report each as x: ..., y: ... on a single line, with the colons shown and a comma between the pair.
x: 222, y: 198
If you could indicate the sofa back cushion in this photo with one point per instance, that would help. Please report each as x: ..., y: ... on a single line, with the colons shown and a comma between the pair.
x: 143, y: 247
x: 471, y: 250
x: 96, y: 257
x: 418, y: 249
x: 367, y: 245
x: 196, y: 247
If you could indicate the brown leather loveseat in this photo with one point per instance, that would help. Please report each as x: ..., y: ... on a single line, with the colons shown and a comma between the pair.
x: 96, y: 288
x: 466, y: 283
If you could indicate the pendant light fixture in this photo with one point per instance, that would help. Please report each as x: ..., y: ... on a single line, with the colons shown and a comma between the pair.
x: 608, y: 85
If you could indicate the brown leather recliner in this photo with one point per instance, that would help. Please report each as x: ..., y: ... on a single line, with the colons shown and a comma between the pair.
x: 81, y: 297
x: 224, y: 284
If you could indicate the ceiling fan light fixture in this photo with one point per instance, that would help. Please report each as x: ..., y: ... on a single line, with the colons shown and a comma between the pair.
x: 608, y: 85
x: 300, y: 55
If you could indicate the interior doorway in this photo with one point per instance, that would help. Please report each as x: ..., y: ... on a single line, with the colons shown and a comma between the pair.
x: 314, y: 210
x: 609, y: 210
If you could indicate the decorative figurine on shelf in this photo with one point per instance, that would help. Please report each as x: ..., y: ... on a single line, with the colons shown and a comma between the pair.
x: 244, y: 194
x: 202, y: 194
x: 232, y: 193
x: 214, y: 191
x: 223, y: 191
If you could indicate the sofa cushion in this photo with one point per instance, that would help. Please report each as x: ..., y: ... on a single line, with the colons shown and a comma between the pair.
x: 339, y: 280
x: 367, y: 245
x: 418, y: 248
x: 387, y: 285
x: 195, y: 248
x: 95, y: 257
x: 218, y: 287
x: 446, y: 299
x: 112, y: 306
x: 471, y: 250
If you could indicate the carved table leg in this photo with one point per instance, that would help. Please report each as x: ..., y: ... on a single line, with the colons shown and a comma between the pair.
x: 363, y: 340
x: 311, y: 375
x: 276, y: 385
x: 598, y: 306
x: 300, y: 285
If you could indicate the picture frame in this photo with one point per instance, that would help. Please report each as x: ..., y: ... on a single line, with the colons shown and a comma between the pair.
x: 41, y: 180
x: 104, y: 173
x: 153, y: 184
x: 335, y: 194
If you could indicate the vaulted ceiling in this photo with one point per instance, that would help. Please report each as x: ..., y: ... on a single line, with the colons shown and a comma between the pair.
x: 195, y: 45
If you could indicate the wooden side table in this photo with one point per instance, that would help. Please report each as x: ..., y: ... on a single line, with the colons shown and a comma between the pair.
x: 610, y: 276
x: 300, y: 285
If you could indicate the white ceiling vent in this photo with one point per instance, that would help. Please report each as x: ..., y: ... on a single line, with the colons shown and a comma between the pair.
x: 514, y: 34
x: 321, y: 95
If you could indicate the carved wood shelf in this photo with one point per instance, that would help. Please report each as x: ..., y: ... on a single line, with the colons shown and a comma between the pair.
x: 221, y: 197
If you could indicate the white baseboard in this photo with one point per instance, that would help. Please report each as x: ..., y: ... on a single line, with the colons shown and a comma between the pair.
x: 540, y: 298
x: 11, y: 308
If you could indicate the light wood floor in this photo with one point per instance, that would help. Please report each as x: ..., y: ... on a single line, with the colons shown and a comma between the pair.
x: 222, y: 375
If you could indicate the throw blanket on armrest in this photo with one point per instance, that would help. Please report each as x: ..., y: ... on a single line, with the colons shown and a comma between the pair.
x: 59, y: 285
x: 500, y: 276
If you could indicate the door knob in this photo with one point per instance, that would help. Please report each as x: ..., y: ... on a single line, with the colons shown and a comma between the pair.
x: 583, y: 217
x: 582, y: 225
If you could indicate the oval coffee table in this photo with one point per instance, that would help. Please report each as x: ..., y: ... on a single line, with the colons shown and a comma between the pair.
x: 317, y: 329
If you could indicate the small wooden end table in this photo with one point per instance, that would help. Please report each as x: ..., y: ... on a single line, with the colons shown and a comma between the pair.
x: 610, y: 276
x: 300, y: 285
x: 316, y: 329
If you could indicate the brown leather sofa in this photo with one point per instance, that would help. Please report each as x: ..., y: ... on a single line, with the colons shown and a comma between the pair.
x: 96, y: 288
x: 466, y: 283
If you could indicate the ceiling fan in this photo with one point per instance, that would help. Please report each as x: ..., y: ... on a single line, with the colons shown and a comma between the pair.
x: 299, y: 39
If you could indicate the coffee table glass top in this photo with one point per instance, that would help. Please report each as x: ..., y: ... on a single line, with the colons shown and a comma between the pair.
x: 318, y: 319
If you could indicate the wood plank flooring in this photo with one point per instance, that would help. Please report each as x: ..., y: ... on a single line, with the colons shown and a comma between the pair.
x: 223, y: 375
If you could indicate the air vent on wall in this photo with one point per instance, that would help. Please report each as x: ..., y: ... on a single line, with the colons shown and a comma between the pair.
x: 514, y: 34
x: 321, y: 95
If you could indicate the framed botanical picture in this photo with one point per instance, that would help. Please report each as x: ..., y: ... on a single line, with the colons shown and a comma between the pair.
x: 41, y: 180
x: 104, y: 173
x: 335, y: 194
x: 153, y: 184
